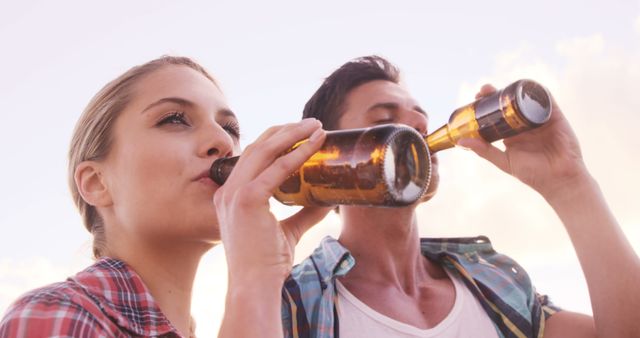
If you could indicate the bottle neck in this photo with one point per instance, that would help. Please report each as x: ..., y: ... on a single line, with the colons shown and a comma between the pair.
x: 221, y: 169
x: 439, y: 140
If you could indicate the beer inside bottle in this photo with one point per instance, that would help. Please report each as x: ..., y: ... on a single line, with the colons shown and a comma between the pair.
x: 386, y: 165
x: 521, y: 106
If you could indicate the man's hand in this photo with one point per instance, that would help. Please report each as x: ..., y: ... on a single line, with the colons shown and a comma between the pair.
x: 547, y: 158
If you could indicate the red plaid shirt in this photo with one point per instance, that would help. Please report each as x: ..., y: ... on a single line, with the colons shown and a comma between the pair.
x: 108, y: 299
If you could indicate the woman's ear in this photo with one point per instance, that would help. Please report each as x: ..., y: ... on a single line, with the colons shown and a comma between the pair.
x: 91, y: 184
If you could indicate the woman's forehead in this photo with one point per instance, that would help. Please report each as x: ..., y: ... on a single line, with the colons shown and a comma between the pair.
x: 176, y: 81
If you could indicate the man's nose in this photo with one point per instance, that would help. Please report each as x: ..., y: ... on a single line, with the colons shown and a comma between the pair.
x: 416, y: 120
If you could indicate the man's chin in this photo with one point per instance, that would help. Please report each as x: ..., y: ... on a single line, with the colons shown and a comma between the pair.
x: 427, y: 196
x: 431, y: 190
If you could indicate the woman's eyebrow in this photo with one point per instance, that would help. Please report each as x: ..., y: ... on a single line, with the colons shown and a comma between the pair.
x: 227, y: 112
x: 177, y: 100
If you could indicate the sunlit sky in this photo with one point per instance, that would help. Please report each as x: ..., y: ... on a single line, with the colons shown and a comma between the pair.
x: 269, y: 58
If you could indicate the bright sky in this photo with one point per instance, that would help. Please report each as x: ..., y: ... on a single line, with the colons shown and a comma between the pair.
x: 270, y: 57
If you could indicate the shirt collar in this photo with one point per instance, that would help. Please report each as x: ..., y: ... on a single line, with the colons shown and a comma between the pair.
x: 123, y: 296
x: 331, y: 259
x: 457, y: 245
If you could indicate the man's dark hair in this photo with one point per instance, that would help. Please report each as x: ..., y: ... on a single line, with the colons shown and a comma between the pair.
x: 327, y: 103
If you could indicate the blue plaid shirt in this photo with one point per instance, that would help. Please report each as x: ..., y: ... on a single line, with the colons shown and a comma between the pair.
x: 498, y: 282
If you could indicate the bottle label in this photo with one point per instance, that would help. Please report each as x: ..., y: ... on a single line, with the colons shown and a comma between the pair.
x: 492, y: 125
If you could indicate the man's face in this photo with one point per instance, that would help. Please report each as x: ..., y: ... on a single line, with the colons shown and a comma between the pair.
x: 380, y: 102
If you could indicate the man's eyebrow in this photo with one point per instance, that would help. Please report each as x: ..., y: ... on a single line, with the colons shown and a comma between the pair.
x: 392, y: 106
x: 384, y: 105
x: 420, y: 110
x: 177, y: 100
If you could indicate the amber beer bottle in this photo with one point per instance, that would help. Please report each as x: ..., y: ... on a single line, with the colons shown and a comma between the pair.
x: 521, y: 106
x: 386, y: 165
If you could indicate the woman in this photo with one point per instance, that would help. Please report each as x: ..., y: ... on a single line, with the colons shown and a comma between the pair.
x: 138, y: 172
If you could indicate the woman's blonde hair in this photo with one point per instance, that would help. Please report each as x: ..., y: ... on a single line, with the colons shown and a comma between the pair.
x: 92, y: 137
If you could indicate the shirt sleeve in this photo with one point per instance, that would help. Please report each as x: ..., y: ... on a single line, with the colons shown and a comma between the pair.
x: 286, y: 314
x: 548, y: 308
x: 50, y: 316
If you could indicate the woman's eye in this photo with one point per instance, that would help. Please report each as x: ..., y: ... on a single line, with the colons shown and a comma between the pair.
x: 174, y: 118
x: 233, y: 128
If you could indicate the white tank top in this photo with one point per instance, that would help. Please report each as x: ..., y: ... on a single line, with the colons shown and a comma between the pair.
x: 466, y: 318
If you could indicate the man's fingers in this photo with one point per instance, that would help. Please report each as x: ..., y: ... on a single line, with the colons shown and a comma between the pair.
x: 487, y: 151
x: 297, y: 224
x: 485, y: 90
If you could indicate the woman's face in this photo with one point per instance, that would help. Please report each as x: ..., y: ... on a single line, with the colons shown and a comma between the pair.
x: 176, y: 124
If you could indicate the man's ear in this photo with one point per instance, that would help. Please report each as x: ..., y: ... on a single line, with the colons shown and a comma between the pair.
x: 91, y: 184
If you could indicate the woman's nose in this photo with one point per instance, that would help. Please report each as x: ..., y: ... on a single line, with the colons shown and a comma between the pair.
x: 216, y: 142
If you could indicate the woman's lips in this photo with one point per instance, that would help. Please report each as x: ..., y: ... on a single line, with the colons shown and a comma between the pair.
x: 206, y: 180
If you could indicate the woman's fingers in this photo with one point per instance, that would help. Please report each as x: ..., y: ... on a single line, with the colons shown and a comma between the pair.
x: 273, y: 175
x: 270, y: 146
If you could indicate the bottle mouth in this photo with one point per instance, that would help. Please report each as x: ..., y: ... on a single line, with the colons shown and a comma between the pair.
x: 406, y: 166
x: 534, y: 102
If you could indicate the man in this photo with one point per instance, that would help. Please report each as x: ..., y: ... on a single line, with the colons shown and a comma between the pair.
x: 379, y: 279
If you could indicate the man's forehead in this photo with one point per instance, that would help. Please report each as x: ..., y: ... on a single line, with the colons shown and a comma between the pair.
x: 380, y: 91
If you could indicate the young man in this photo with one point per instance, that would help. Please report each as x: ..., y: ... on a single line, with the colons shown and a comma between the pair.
x: 379, y: 279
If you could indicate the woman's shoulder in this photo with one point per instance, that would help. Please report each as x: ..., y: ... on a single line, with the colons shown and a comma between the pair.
x: 62, y: 308
x: 59, y: 308
x: 107, y: 299
x: 51, y: 298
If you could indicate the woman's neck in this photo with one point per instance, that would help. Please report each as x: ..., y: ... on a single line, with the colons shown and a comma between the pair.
x: 168, y: 271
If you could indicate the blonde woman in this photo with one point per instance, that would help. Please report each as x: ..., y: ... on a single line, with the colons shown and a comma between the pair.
x: 138, y: 167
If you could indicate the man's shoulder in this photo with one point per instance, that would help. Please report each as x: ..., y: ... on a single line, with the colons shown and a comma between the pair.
x: 456, y: 245
x: 465, y: 250
x: 476, y: 255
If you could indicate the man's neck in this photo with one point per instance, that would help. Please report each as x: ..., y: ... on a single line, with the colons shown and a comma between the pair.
x: 386, y: 246
x: 390, y: 275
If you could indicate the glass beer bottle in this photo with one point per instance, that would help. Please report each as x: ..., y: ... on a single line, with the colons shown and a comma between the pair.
x: 386, y: 165
x: 521, y: 106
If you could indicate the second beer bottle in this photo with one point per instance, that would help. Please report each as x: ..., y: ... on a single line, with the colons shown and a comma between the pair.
x: 520, y: 106
x: 386, y: 165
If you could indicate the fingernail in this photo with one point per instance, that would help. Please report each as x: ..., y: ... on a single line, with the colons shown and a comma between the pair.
x: 308, y: 121
x: 316, y: 135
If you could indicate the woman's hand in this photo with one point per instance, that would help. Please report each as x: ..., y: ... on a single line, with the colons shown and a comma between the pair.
x: 257, y: 245
x: 547, y: 158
